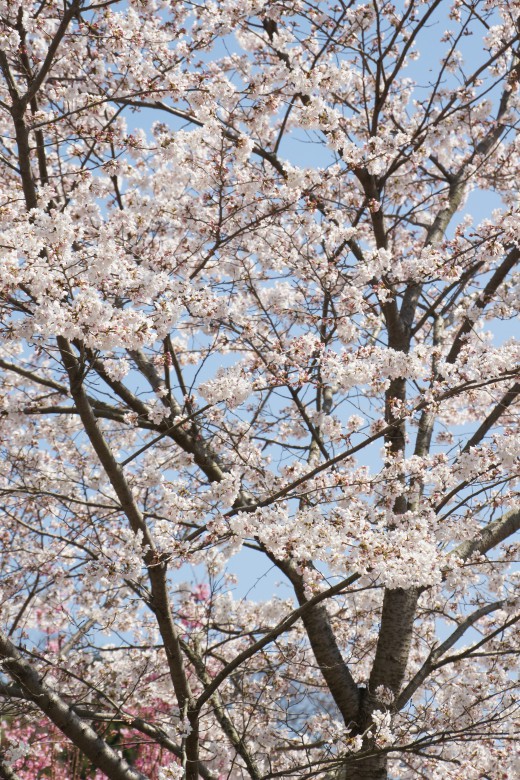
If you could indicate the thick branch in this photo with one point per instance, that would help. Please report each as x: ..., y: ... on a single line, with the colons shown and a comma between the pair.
x: 493, y: 417
x: 489, y: 290
x: 491, y: 535
x: 395, y: 636
x: 328, y: 656
x: 457, y: 188
x: 206, y: 460
x: 38, y: 80
x: 12, y: 691
x: 49, y: 702
x: 6, y: 773
x: 438, y: 652
x: 33, y: 377
x: 156, y: 567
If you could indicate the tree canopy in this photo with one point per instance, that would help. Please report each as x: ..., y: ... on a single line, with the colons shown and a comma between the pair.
x: 259, y: 269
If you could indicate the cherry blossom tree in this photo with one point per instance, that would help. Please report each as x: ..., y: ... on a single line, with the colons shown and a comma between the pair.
x: 247, y: 314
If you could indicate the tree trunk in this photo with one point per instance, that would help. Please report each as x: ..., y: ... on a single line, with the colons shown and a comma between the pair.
x: 372, y: 767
